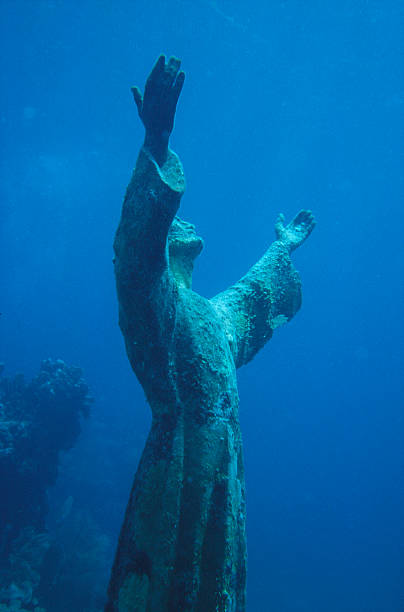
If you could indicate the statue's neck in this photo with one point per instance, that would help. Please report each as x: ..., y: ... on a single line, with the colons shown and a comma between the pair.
x: 182, y: 268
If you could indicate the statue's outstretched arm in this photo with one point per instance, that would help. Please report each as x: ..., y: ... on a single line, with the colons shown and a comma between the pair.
x: 144, y: 284
x: 268, y: 295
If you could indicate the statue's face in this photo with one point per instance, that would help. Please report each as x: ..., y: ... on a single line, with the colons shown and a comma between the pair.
x: 183, y: 240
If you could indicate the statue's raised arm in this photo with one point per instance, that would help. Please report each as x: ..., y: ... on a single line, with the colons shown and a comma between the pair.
x: 146, y: 290
x: 268, y: 295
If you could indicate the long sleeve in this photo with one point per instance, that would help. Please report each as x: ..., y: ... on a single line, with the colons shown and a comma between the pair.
x: 145, y: 287
x: 265, y: 298
x: 151, y: 202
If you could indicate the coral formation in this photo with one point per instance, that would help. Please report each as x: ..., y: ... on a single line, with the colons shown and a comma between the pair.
x: 38, y: 420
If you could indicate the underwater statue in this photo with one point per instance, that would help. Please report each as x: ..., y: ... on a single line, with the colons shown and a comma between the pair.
x: 182, y: 545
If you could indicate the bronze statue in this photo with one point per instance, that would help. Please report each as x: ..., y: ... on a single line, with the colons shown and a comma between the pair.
x: 182, y: 546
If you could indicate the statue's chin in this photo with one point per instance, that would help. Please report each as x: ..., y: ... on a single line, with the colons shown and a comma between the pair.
x: 186, y: 249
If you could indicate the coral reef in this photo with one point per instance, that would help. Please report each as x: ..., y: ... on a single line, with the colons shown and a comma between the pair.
x: 21, y: 573
x: 38, y: 420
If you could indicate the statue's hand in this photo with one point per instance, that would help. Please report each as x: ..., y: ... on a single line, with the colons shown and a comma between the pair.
x: 157, y: 106
x: 296, y: 232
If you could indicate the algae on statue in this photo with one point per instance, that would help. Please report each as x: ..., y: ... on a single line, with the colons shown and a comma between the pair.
x: 182, y: 545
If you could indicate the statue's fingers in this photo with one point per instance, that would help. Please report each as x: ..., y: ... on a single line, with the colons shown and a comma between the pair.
x: 171, y: 70
x: 310, y: 218
x: 173, y: 65
x: 280, y: 220
x: 179, y: 82
x: 157, y: 69
x: 279, y: 224
x: 304, y: 217
x: 311, y: 221
x: 301, y: 218
x: 137, y: 96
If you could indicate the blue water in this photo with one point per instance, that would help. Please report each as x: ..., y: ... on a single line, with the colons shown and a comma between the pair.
x: 286, y: 105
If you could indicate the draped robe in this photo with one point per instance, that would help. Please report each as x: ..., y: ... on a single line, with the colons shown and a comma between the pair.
x: 182, y: 546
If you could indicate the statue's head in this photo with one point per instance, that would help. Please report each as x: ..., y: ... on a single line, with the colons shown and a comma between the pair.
x: 184, y: 246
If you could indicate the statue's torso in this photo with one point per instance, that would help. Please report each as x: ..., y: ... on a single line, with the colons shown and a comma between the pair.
x: 203, y: 364
x: 193, y: 370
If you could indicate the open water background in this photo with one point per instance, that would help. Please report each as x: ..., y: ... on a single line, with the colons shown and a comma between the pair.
x: 286, y: 105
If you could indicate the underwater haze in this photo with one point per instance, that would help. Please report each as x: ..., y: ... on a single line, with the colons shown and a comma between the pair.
x: 286, y: 105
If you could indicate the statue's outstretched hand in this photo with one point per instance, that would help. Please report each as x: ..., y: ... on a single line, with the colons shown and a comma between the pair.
x: 157, y: 105
x: 296, y: 232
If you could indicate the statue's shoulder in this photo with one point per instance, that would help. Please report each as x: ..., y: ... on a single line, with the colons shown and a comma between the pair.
x: 196, y: 307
